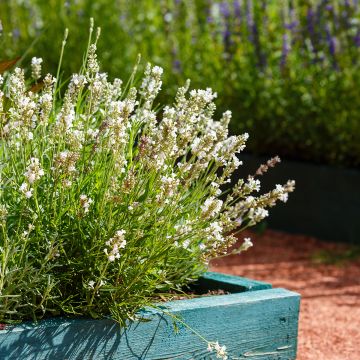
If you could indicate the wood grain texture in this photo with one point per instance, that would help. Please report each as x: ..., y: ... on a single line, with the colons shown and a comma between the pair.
x: 260, y: 324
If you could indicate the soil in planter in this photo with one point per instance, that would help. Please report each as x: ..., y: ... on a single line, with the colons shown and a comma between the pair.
x: 191, y: 294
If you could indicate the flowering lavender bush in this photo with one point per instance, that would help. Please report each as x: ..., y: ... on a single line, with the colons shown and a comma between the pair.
x: 106, y: 201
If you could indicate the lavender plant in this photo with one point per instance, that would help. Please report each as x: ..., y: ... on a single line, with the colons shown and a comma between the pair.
x: 108, y: 200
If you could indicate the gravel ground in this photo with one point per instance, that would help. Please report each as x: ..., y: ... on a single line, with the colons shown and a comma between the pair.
x: 329, y: 326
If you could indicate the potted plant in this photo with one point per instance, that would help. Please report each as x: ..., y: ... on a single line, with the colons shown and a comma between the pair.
x: 110, y: 203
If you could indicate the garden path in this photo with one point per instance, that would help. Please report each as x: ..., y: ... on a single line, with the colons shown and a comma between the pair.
x: 330, y: 289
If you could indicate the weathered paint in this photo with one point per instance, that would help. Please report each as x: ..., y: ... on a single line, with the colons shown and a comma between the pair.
x: 258, y: 324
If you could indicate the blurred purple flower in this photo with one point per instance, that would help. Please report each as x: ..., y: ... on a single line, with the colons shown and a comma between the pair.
x: 177, y: 65
x: 310, y: 22
x: 259, y: 53
x: 357, y: 38
x: 224, y: 9
x: 249, y: 19
x: 249, y: 16
x: 209, y: 17
x: 237, y: 10
x: 331, y: 41
x: 285, y: 50
x: 16, y: 33
x: 225, y: 12
x: 346, y: 14
x: 265, y: 20
x: 292, y: 25
x: 227, y: 38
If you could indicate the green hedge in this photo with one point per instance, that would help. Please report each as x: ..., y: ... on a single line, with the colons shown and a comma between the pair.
x: 288, y: 70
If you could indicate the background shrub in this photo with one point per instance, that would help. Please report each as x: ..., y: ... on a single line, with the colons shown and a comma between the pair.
x: 289, y: 70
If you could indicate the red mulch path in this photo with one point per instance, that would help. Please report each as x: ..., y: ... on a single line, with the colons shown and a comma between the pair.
x: 329, y: 326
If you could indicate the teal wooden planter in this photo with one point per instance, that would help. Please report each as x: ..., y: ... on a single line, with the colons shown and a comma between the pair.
x: 254, y: 322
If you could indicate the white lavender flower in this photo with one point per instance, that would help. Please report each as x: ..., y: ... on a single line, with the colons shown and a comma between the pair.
x: 257, y: 214
x: 26, y: 190
x: 36, y: 67
x: 251, y: 185
x: 211, y: 207
x: 168, y: 186
x: 151, y: 84
x: 186, y: 244
x: 3, y: 213
x: 114, y: 245
x: 283, y: 195
x: 65, y: 162
x: 214, y: 233
x: 220, y: 350
x: 85, y: 202
x: 34, y: 171
x: 17, y: 86
x: 247, y: 244
x: 202, y: 97
x: 92, y: 64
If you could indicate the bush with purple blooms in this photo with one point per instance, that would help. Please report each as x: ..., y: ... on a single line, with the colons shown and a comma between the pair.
x: 289, y: 70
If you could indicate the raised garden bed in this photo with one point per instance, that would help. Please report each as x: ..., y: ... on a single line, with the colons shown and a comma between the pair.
x: 254, y: 321
x: 325, y: 204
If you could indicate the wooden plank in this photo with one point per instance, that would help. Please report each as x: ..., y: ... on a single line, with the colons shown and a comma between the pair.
x: 260, y: 324
x: 231, y: 283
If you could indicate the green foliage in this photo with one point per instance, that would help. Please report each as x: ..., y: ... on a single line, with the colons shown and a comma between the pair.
x: 288, y: 69
x: 105, y: 201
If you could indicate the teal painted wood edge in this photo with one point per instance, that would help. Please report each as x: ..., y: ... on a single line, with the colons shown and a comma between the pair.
x: 211, y: 280
x: 260, y: 324
x: 233, y: 283
x: 222, y: 300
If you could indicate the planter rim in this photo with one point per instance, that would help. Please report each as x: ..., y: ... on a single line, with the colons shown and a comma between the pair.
x: 244, y: 290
